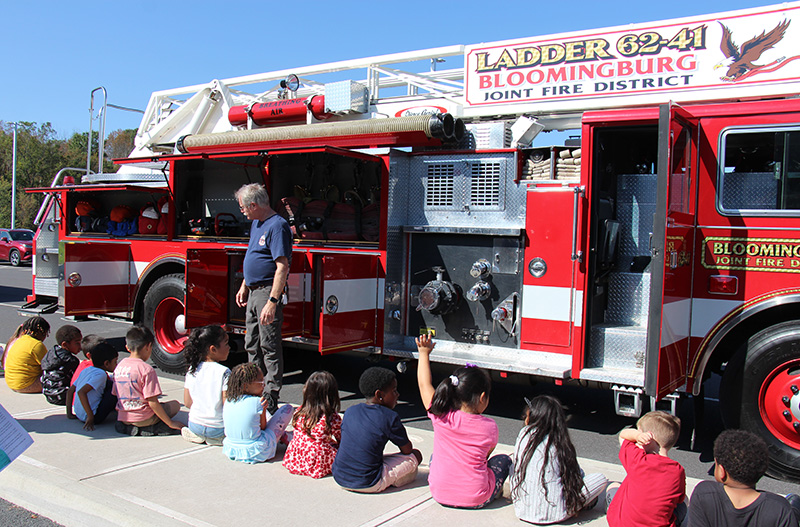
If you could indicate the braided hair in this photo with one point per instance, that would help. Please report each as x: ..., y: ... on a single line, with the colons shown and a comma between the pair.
x: 36, y: 327
x: 241, y: 376
x: 546, y: 423
x: 200, y: 340
x: 464, y: 386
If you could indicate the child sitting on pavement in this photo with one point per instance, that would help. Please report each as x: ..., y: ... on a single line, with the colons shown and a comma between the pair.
x: 317, y: 428
x: 360, y: 465
x: 741, y: 458
x: 59, y: 364
x: 23, y: 362
x: 462, y: 475
x: 548, y: 485
x: 654, y: 489
x: 205, y: 385
x: 251, y: 433
x: 88, y: 342
x: 95, y: 400
x: 139, y: 412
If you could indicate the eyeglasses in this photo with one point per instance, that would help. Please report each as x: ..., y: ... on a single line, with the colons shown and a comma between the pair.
x: 242, y: 209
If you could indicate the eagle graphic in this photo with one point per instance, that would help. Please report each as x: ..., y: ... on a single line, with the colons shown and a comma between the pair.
x: 740, y: 61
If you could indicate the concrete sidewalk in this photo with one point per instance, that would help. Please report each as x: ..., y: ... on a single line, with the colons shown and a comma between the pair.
x: 80, y: 478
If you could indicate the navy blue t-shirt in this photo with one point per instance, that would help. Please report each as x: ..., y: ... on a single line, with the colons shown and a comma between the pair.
x: 269, y: 240
x: 366, y: 428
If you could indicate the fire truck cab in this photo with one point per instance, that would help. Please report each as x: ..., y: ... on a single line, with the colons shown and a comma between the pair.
x: 656, y: 246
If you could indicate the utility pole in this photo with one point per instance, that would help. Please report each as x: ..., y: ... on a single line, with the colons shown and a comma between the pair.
x: 14, y: 177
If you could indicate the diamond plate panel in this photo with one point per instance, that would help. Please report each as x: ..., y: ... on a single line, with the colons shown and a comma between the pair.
x: 398, y: 190
x: 635, y: 226
x: 639, y: 188
x: 750, y: 190
x: 484, y: 136
x: 617, y: 347
x: 46, y: 286
x: 628, y: 299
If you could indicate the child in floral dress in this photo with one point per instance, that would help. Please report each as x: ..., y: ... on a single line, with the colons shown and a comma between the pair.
x: 317, y: 428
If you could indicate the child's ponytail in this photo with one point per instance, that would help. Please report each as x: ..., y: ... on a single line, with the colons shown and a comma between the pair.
x: 464, y: 386
x: 196, y: 348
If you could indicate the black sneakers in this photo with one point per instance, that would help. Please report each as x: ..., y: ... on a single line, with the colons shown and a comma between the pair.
x: 126, y: 429
x: 158, y: 429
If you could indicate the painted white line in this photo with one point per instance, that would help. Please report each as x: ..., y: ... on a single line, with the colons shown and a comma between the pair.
x: 145, y: 462
x: 402, y: 512
x: 43, y: 411
x: 155, y: 507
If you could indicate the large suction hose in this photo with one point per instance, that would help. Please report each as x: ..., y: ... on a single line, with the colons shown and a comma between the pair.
x: 372, y: 132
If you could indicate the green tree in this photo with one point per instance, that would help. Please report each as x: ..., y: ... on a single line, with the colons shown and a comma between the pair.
x: 119, y: 143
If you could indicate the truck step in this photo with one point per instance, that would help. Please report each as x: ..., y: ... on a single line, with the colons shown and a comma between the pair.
x: 622, y: 376
x: 38, y: 308
x: 554, y: 365
x: 617, y: 347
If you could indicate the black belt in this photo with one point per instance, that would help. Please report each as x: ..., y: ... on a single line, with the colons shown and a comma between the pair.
x: 259, y: 285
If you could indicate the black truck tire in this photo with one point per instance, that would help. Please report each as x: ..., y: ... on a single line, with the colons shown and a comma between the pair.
x: 760, y: 392
x: 163, y: 314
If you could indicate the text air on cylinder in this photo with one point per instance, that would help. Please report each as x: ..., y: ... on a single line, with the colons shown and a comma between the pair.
x: 279, y: 111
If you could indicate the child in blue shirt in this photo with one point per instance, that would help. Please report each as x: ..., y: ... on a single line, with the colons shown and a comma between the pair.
x: 360, y: 465
x: 95, y: 400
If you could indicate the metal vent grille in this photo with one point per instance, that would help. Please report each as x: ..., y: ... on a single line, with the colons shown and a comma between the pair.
x: 440, y: 184
x: 485, y: 185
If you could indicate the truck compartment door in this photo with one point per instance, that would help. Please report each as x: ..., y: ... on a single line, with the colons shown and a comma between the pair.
x: 97, y: 278
x: 549, y: 277
x: 298, y: 297
x: 351, y: 285
x: 673, y: 238
x: 207, y: 287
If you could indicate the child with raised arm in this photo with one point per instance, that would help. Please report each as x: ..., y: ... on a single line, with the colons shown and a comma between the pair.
x: 251, y: 432
x: 205, y: 385
x: 317, y: 428
x: 461, y: 473
x: 23, y: 361
x: 139, y: 412
x: 653, y: 491
x: 95, y: 400
x: 59, y: 364
x: 360, y: 465
x: 741, y: 458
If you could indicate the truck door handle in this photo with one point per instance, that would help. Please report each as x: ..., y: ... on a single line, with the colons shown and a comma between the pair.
x: 578, y: 194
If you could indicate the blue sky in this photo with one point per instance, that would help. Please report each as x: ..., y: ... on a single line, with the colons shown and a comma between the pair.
x: 57, y: 52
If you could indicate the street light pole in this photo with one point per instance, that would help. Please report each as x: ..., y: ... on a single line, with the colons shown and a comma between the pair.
x: 14, y: 178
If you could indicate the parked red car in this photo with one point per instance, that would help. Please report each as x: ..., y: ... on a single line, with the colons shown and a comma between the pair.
x: 16, y: 245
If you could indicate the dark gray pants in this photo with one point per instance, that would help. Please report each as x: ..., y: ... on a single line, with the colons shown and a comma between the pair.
x: 263, y: 343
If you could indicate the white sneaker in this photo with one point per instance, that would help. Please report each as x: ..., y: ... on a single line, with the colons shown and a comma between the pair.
x: 190, y: 436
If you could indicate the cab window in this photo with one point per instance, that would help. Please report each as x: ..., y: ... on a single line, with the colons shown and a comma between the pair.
x: 760, y: 172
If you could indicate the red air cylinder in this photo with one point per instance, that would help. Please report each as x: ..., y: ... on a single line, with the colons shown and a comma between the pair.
x: 279, y: 111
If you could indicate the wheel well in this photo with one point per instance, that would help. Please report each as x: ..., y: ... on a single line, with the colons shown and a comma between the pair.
x: 151, y: 276
x: 741, y: 333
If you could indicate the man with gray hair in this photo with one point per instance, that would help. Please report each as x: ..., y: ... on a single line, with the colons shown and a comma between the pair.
x: 266, y: 267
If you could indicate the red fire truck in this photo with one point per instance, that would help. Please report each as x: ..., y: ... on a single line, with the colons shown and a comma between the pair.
x: 657, y: 244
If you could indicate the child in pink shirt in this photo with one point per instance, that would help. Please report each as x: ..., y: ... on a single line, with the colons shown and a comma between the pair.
x: 139, y: 412
x: 461, y: 473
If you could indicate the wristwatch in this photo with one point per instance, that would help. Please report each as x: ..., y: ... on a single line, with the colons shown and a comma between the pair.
x: 273, y: 300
